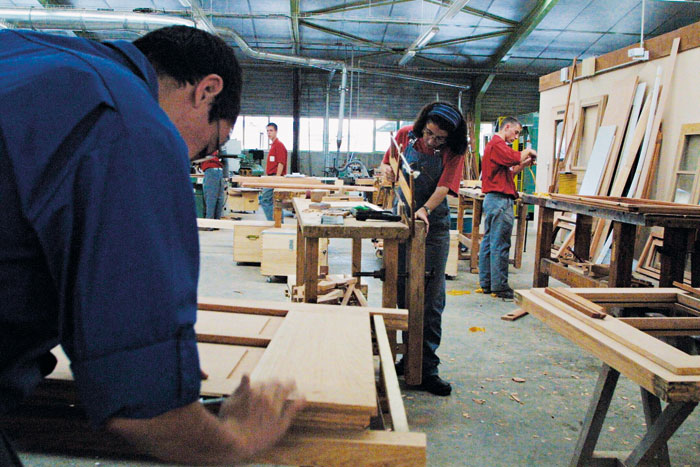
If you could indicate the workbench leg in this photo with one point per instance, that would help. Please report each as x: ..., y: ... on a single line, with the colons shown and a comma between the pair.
x: 543, y: 249
x: 311, y: 270
x: 695, y: 261
x: 415, y: 302
x: 460, y: 213
x: 622, y: 254
x: 301, y: 255
x: 277, y: 213
x: 389, y: 286
x: 520, y: 232
x: 658, y: 434
x: 357, y: 259
x: 582, y: 237
x: 595, y: 416
x: 476, y: 236
x: 652, y: 410
x: 673, y: 253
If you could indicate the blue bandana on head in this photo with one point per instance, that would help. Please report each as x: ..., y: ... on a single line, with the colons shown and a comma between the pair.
x: 447, y: 113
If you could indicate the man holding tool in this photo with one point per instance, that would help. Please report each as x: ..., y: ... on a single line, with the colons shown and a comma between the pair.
x: 434, y: 146
x: 88, y: 263
x: 498, y: 167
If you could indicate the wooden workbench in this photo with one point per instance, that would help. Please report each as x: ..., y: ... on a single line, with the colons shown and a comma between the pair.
x: 680, y: 226
x: 331, y: 360
x: 475, y: 198
x: 310, y: 229
x: 627, y: 347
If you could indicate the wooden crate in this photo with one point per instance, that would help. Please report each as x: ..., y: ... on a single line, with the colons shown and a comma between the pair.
x: 451, y: 267
x: 242, y: 199
x: 279, y: 252
x: 247, y: 240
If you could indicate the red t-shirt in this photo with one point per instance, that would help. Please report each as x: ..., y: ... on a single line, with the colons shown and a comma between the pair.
x: 213, y: 163
x: 277, y: 155
x: 496, y: 176
x: 451, y: 164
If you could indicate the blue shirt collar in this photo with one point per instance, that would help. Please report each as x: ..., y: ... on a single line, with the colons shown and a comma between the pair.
x: 132, y: 57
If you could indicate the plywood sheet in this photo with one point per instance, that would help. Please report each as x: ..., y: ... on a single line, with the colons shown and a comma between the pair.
x: 329, y: 355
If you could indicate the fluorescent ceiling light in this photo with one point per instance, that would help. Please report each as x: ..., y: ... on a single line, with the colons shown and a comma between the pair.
x: 455, y: 8
x: 424, y: 38
x: 407, y: 58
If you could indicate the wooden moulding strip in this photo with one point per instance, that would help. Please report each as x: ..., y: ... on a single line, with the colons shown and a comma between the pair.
x: 583, y: 305
x: 623, y: 295
x: 395, y: 319
x: 643, y: 371
x: 693, y: 291
x: 391, y: 383
x: 347, y: 447
x: 661, y: 353
x: 661, y: 324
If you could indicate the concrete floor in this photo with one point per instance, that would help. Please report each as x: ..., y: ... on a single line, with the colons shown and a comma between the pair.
x: 489, y: 420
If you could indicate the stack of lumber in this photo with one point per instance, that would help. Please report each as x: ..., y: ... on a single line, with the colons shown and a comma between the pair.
x: 335, y: 289
x: 624, y: 157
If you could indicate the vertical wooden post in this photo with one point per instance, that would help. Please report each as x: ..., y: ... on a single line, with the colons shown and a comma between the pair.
x: 695, y: 261
x: 582, y: 237
x: 622, y: 255
x: 311, y: 270
x: 415, y: 302
x: 673, y: 255
x: 301, y: 255
x: 543, y: 250
x: 520, y: 232
x: 357, y: 258
x: 476, y: 236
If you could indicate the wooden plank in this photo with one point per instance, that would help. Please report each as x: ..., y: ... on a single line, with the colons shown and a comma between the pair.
x: 351, y: 448
x: 567, y: 275
x: 308, y: 186
x: 646, y: 175
x: 513, y: 315
x: 643, y: 371
x: 586, y: 307
x: 649, y: 296
x: 617, y: 112
x: 666, y: 323
x: 331, y: 364
x: 236, y: 328
x: 397, y: 410
x: 554, y: 176
x: 602, y: 147
x: 415, y: 301
x: 661, y: 353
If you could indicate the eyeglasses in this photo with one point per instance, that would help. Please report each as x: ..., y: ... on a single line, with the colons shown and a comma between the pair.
x: 427, y: 134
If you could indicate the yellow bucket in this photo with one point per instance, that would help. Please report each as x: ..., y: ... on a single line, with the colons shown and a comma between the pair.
x: 567, y: 183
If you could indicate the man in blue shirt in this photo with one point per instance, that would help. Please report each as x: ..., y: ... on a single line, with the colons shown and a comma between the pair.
x: 92, y: 136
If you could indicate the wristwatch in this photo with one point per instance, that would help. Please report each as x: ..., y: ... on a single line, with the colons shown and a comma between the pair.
x: 427, y: 209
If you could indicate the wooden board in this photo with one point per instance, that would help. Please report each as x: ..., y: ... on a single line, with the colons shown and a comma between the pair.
x: 236, y: 328
x: 331, y: 364
x: 596, y: 162
x: 451, y: 269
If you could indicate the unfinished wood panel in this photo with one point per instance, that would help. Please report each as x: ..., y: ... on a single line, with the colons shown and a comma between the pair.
x: 332, y: 365
x: 391, y: 383
x: 596, y: 163
x: 225, y: 365
x: 686, y: 188
x: 236, y: 328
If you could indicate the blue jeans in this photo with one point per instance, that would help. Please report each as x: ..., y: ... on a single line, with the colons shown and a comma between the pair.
x: 213, y: 188
x: 437, y: 248
x: 266, y: 202
x: 495, y: 245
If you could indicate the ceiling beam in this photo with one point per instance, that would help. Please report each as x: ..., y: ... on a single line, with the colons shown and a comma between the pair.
x: 462, y: 40
x: 294, y: 8
x: 476, y: 12
x: 358, y: 5
x: 350, y: 37
x: 526, y: 26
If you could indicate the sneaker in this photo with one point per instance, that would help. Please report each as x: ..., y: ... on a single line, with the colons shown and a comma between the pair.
x: 435, y: 385
x: 399, y: 368
x: 506, y: 294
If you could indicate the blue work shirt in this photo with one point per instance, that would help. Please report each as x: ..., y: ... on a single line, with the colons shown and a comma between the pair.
x: 98, y: 239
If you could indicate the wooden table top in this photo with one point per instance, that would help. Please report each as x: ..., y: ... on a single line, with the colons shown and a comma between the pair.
x: 310, y: 223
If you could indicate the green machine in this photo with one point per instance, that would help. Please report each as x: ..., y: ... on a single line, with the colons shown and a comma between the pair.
x: 251, y: 163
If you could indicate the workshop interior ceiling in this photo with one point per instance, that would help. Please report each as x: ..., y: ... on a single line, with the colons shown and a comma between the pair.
x: 526, y: 38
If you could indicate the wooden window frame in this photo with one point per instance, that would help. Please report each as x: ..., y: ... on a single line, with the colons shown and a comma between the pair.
x: 688, y: 129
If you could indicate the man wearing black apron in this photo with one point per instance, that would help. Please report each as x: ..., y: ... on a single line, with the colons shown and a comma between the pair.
x: 434, y: 145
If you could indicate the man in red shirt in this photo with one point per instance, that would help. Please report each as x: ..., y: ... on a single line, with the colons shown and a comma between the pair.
x: 499, y: 165
x: 276, y: 165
